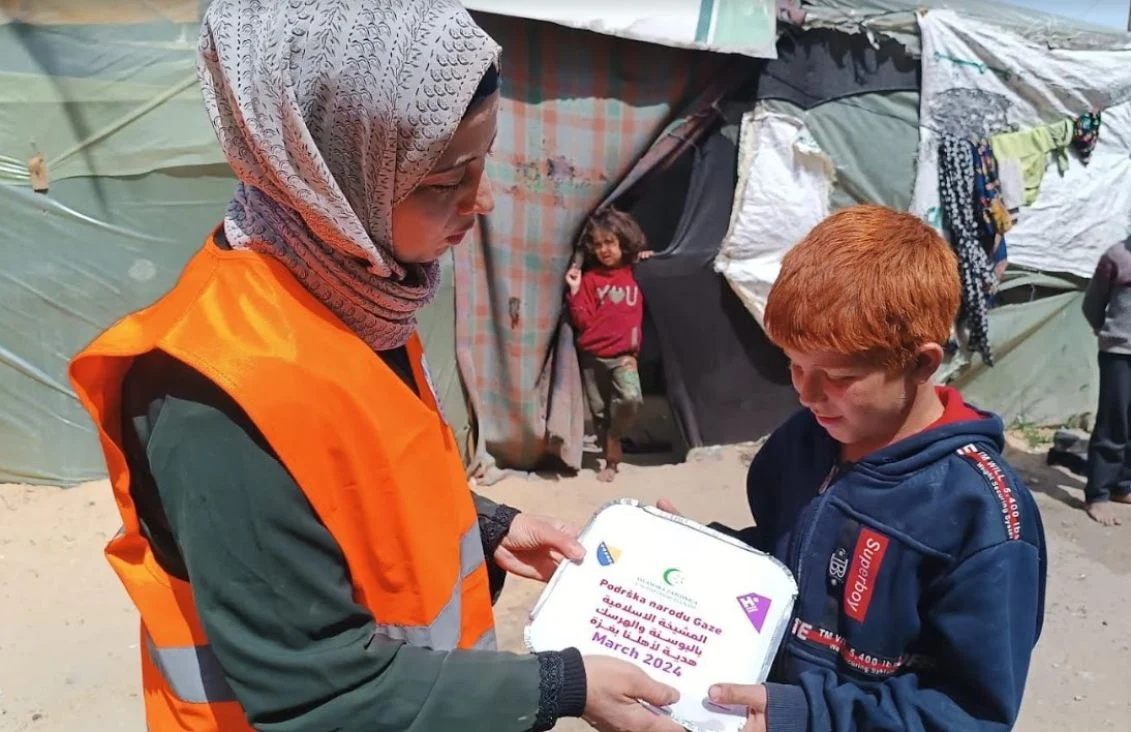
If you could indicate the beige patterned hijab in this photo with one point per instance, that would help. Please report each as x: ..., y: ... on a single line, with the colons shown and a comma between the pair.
x: 330, y: 112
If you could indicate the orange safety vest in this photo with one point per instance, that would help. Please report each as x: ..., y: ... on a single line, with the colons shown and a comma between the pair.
x: 378, y: 464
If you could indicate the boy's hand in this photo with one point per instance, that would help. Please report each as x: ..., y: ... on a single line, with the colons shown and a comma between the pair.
x: 753, y: 697
x: 573, y: 280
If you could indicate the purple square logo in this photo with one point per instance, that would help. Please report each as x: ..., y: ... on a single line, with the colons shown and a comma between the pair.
x: 756, y: 608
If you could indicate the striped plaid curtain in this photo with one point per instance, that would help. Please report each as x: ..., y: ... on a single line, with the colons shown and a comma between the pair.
x: 580, y: 110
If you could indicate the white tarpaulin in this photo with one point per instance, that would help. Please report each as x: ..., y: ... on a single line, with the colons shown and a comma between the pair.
x: 980, y: 80
x: 784, y: 181
x: 747, y: 27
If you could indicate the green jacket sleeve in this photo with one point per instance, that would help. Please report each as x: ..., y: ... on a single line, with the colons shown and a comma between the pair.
x: 273, y: 593
x: 494, y: 523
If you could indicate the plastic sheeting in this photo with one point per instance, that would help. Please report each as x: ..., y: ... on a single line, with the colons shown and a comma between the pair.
x: 896, y: 19
x: 71, y: 263
x: 814, y: 67
x: 783, y: 191
x: 830, y: 97
x: 106, y: 100
x: 747, y: 27
x: 861, y: 104
x: 872, y: 138
x: 72, y: 12
x: 979, y: 81
x: 1045, y: 355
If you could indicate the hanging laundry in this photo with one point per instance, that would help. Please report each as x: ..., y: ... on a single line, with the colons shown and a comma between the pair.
x: 1012, y: 186
x: 999, y: 258
x: 993, y: 218
x: 988, y: 203
x: 956, y: 193
x: 1085, y: 135
x: 1032, y: 147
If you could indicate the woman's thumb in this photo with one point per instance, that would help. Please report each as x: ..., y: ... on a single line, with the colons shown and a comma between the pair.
x: 564, y: 540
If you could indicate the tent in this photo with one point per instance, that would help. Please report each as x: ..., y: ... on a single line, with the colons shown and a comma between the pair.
x: 724, y: 381
x: 984, y: 68
x: 837, y: 119
x: 104, y: 95
x: 665, y: 115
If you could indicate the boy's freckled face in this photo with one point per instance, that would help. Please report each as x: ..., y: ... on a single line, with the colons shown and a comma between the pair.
x: 855, y: 401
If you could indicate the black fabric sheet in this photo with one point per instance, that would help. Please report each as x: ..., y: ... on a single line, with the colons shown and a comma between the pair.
x: 822, y: 65
x: 725, y: 381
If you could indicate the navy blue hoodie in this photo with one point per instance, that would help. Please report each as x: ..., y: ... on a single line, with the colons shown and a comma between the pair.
x: 921, y: 571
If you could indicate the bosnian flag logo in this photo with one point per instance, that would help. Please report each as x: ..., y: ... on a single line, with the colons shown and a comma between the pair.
x: 606, y: 554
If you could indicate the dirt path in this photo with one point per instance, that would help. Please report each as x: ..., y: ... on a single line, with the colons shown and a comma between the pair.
x: 68, y: 638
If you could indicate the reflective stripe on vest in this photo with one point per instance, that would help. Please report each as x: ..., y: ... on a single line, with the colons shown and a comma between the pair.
x: 489, y: 642
x: 444, y: 632
x: 194, y: 674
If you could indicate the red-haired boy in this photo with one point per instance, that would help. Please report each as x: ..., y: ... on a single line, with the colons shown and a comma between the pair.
x: 919, y: 554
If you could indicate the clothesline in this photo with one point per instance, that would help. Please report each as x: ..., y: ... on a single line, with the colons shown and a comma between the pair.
x: 971, y: 195
x: 980, y: 205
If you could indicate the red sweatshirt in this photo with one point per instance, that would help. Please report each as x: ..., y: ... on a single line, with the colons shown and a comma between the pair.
x: 608, y: 312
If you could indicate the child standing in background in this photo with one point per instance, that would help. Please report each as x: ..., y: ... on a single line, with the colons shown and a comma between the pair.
x: 1107, y: 307
x: 607, y: 311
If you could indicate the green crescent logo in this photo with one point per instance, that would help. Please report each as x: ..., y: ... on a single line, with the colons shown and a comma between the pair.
x: 673, y: 577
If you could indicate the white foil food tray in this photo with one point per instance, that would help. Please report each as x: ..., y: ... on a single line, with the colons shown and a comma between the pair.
x: 690, y: 606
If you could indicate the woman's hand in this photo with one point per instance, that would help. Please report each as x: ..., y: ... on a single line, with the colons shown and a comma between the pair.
x: 535, y: 545
x: 753, y: 697
x: 615, y: 689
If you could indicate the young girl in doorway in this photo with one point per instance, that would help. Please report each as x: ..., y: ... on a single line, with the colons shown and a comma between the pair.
x: 607, y: 310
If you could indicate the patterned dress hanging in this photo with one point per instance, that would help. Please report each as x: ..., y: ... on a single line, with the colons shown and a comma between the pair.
x: 956, y: 193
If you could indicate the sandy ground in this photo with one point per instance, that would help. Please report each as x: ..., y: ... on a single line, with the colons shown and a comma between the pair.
x: 68, y: 638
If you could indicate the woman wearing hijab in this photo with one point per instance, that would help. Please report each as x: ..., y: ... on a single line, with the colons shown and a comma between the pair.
x: 298, y: 534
